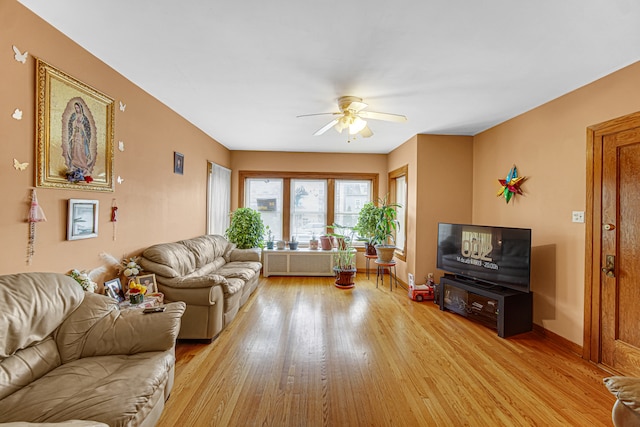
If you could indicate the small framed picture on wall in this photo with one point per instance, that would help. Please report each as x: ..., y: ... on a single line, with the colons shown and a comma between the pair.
x: 82, y: 219
x: 178, y: 163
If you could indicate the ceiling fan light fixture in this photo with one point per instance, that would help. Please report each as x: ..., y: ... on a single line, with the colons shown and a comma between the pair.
x: 356, y: 125
x: 352, y: 117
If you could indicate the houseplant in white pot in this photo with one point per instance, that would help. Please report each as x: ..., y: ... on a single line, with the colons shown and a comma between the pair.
x: 386, y: 227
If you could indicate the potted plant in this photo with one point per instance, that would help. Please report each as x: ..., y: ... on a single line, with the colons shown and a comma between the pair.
x: 344, y: 258
x: 293, y: 243
x: 366, y: 226
x: 269, y: 239
x: 313, y: 242
x: 325, y: 242
x: 246, y: 229
x: 386, y: 226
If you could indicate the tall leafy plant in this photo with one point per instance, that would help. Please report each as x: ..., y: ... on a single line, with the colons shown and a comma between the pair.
x: 367, y: 223
x: 246, y: 229
x: 386, y: 221
x: 377, y: 222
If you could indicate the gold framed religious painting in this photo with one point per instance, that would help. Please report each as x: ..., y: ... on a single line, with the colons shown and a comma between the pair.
x: 75, y: 126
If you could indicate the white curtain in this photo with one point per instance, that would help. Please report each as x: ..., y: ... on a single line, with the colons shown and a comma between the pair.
x: 218, y: 199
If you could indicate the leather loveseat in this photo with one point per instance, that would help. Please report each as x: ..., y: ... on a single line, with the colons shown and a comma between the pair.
x: 67, y: 354
x: 210, y: 275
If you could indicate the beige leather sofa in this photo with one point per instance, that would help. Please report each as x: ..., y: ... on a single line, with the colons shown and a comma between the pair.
x: 626, y: 410
x: 66, y: 354
x: 210, y: 275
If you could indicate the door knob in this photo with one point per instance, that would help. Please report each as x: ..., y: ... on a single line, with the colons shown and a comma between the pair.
x: 609, y: 227
x: 609, y: 272
x: 610, y: 266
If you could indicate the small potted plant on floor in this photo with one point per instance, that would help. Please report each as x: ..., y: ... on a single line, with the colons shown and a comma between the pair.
x: 246, y: 229
x: 344, y: 258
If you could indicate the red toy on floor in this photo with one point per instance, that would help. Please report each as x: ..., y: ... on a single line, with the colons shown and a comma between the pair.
x: 422, y: 292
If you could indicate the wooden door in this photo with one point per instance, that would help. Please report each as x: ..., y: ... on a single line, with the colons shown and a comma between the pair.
x: 620, y: 252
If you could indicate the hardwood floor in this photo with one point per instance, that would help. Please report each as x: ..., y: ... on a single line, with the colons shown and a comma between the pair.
x: 303, y: 353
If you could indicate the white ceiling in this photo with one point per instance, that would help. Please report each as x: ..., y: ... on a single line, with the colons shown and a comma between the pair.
x: 243, y: 70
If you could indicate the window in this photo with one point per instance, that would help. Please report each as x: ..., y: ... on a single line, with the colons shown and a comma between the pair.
x: 350, y: 196
x: 303, y: 204
x: 308, y: 208
x: 265, y: 196
x: 218, y: 199
x: 398, y: 181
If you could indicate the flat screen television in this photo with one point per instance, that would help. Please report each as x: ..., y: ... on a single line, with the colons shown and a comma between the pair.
x: 489, y: 256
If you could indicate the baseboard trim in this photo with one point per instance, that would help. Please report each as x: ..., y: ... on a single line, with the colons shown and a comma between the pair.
x: 558, y: 340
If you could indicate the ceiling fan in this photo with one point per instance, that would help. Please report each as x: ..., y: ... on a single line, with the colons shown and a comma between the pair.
x: 352, y: 117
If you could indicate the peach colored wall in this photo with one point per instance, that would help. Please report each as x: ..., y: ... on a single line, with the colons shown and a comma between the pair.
x: 548, y: 145
x: 439, y: 189
x: 445, y: 192
x: 155, y: 204
x: 405, y: 155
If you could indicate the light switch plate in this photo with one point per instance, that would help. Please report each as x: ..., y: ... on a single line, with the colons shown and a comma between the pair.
x: 577, y: 216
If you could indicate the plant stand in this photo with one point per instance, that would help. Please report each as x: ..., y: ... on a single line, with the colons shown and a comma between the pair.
x: 381, y: 267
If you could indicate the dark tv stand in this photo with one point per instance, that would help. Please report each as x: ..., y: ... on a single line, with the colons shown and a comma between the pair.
x: 507, y: 311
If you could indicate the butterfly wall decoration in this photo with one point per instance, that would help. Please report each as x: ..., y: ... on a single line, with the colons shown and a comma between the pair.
x: 20, y: 57
x: 19, y: 166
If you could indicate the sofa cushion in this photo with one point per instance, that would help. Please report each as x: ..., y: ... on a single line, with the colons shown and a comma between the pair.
x: 231, y: 247
x: 233, y: 286
x: 32, y: 306
x: 626, y: 390
x: 244, y: 270
x: 206, y: 249
x: 253, y: 254
x: 116, y: 390
x: 168, y: 260
x: 27, y: 365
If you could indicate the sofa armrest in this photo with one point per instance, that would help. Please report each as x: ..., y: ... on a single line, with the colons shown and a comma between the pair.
x: 132, y: 331
x: 626, y: 390
x: 253, y: 254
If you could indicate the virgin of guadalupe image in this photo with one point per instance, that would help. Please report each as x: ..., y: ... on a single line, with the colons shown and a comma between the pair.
x: 79, y: 147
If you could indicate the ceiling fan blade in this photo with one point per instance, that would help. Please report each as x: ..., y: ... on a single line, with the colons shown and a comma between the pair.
x: 319, y: 114
x: 326, y: 127
x: 366, y: 132
x: 383, y: 116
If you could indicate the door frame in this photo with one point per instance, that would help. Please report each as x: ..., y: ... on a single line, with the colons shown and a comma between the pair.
x: 591, y: 348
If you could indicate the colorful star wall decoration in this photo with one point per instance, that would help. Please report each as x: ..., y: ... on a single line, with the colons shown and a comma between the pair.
x: 511, y: 185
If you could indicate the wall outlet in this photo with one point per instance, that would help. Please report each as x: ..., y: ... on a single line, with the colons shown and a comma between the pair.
x: 577, y: 216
